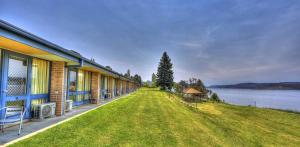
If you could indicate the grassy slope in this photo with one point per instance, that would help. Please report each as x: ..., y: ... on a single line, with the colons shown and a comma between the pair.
x: 149, y: 117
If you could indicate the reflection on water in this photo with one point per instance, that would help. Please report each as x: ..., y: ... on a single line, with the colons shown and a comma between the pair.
x: 278, y: 99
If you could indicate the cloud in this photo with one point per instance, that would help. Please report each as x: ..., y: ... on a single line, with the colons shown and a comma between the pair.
x: 217, y: 41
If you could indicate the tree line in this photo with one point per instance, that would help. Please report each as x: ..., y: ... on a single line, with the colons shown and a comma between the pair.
x: 136, y: 78
x: 164, y: 79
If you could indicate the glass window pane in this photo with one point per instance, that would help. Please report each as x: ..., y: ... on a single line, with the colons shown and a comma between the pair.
x: 17, y: 76
x: 72, y: 81
x: 105, y: 83
x: 15, y: 103
x: 87, y: 96
x: 80, y: 97
x: 114, y: 84
x: 121, y: 87
x: 38, y: 101
x: 87, y: 79
x: 80, y: 80
x: 102, y: 82
x: 40, y: 76
x: 72, y: 97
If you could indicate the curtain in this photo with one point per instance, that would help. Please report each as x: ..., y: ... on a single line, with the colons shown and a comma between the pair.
x: 102, y: 82
x: 87, y: 79
x: 113, y: 83
x: 40, y: 76
x: 105, y: 83
x: 80, y: 80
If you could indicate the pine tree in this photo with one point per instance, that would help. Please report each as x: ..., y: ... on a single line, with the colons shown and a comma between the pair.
x: 165, y: 73
x: 127, y: 74
x: 137, y: 78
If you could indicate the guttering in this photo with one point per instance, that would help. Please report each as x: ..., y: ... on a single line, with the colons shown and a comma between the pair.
x: 77, y: 66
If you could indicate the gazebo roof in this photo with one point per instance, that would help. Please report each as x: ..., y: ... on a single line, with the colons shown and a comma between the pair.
x: 191, y: 91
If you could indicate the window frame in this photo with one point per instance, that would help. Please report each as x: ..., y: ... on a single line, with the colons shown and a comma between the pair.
x: 76, y: 94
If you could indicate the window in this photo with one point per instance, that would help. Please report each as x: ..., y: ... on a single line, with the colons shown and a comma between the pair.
x: 87, y: 79
x: 105, y: 82
x: 40, y: 76
x: 114, y: 83
x: 72, y: 97
x: 80, y: 80
x: 16, y: 103
x: 73, y: 82
x: 87, y: 84
x: 102, y: 82
x: 80, y: 97
x: 83, y: 83
x: 17, y: 76
x: 38, y: 101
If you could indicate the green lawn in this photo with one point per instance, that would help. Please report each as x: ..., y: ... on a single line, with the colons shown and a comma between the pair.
x: 149, y: 117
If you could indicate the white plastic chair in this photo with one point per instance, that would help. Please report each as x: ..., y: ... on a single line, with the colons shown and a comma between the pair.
x: 12, y: 115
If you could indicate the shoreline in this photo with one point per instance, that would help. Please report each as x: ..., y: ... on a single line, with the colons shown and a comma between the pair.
x: 282, y: 110
x: 252, y: 89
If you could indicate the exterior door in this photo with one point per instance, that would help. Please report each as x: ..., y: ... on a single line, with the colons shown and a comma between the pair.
x: 15, y: 83
x: 72, y: 85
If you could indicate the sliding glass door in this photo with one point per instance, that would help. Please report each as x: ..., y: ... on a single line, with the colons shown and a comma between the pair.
x: 87, y: 86
x: 72, y: 84
x: 14, y: 80
x: 24, y: 81
x: 79, y: 86
x: 104, y: 86
x: 40, y: 77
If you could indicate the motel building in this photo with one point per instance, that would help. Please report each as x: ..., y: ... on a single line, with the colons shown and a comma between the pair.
x: 35, y: 71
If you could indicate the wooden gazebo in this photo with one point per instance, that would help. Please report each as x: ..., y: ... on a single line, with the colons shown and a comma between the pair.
x: 192, y: 94
x: 191, y: 91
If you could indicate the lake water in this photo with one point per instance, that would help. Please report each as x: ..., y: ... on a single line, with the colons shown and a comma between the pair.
x: 278, y: 99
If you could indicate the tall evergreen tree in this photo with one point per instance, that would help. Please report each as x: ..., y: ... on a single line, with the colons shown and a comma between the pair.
x: 165, y: 73
x: 127, y: 74
x: 137, y: 78
x: 154, y: 77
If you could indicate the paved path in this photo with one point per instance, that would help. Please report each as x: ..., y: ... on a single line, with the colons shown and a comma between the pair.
x: 11, y: 133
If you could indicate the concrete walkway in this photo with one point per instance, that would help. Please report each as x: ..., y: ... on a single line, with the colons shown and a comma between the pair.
x: 11, y: 133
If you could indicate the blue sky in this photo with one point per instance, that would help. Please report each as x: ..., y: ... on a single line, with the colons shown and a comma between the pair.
x: 218, y: 41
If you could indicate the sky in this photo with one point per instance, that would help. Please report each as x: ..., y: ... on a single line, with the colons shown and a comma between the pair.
x: 218, y: 41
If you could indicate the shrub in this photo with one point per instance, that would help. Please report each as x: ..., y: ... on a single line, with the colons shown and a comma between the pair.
x: 214, y: 97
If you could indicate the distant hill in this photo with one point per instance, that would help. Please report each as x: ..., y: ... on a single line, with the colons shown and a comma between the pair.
x: 262, y: 86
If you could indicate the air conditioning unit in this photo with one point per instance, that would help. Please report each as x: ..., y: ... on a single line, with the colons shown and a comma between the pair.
x: 69, y: 105
x: 45, y: 110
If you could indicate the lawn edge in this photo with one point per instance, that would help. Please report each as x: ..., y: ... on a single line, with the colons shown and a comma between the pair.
x: 56, y: 124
